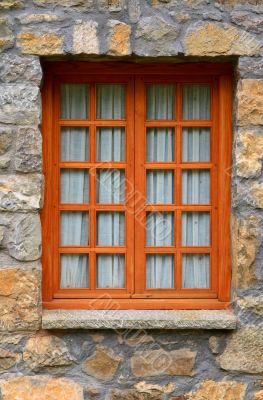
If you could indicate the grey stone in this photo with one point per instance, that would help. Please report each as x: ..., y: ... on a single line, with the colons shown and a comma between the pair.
x: 20, y: 192
x: 251, y: 22
x: 134, y: 10
x: 24, y: 240
x: 85, y: 38
x: 19, y: 104
x: 6, y: 35
x: 5, y: 161
x: 155, y: 37
x: 14, y: 68
x: 6, y: 138
x: 138, y: 319
x: 28, y: 154
x: 26, y: 19
x: 244, y: 351
x: 250, y: 67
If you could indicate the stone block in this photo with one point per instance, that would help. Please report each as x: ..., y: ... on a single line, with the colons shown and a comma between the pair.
x: 7, y: 281
x: 78, y: 4
x: 20, y: 192
x: 15, y: 68
x: 119, y: 38
x: 244, y: 351
x: 156, y: 37
x: 103, y: 364
x: 28, y: 153
x: 24, y: 240
x: 159, y: 362
x: 85, y: 38
x: 9, y: 4
x: 250, y: 67
x: 8, y: 359
x: 46, y: 352
x: 224, y: 390
x: 6, y: 138
x: 213, y: 39
x: 252, y: 304
x: 134, y: 10
x: 40, y: 388
x: 132, y: 394
x: 250, y: 102
x: 42, y: 43
x: 249, y: 154
x: 6, y: 35
x: 250, y: 22
x: 26, y: 19
x: 19, y: 104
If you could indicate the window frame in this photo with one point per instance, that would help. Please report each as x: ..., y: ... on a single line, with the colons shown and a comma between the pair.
x: 220, y: 77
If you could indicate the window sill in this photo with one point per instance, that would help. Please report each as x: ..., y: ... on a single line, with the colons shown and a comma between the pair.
x: 138, y: 319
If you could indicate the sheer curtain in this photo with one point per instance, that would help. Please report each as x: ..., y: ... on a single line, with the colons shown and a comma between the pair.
x: 196, y: 271
x: 74, y: 186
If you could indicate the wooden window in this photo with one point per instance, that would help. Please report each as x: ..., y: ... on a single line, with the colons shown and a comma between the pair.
x: 137, y: 185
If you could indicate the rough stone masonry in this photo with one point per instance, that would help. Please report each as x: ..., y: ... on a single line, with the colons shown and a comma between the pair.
x: 41, y: 364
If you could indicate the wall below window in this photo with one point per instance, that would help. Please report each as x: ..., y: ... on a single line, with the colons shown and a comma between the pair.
x: 125, y: 364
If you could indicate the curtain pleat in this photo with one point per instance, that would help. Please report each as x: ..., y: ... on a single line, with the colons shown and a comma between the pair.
x: 110, y: 271
x: 159, y: 271
x: 196, y: 271
x: 110, y: 144
x: 159, y: 229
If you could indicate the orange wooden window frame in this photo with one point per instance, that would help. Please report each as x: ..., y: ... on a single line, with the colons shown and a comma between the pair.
x: 134, y: 77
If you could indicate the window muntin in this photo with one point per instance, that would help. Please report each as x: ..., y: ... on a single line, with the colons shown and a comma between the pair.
x: 175, y: 165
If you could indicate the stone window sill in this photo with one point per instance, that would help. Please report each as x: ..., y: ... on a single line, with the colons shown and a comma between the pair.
x: 138, y: 319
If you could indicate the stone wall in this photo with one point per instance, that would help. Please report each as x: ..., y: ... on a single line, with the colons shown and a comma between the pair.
x: 157, y: 365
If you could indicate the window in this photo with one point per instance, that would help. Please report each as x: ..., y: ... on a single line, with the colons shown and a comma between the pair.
x: 137, y: 195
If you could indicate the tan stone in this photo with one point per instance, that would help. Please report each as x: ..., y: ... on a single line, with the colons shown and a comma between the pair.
x: 159, y: 362
x: 84, y: 4
x: 245, y: 245
x: 8, y: 359
x: 214, y: 344
x: 40, y: 43
x: 97, y: 338
x: 244, y: 351
x: 103, y: 364
x: 226, y: 390
x: 136, y: 339
x: 46, y: 351
x: 7, y: 4
x: 143, y: 387
x: 259, y: 395
x: 252, y: 303
x: 33, y: 18
x: 249, y: 154
x: 212, y: 39
x: 119, y: 39
x: 256, y: 191
x: 7, y: 277
x: 132, y: 394
x: 250, y: 102
x: 85, y: 38
x: 6, y: 36
x: 40, y: 388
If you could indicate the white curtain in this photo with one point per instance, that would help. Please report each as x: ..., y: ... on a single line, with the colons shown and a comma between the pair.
x: 110, y: 102
x: 110, y: 228
x: 159, y: 271
x: 74, y: 271
x: 74, y: 144
x: 196, y: 144
x: 110, y: 186
x: 196, y: 102
x: 74, y: 101
x: 195, y: 229
x: 160, y: 101
x: 110, y: 271
x: 196, y: 271
x: 196, y: 186
x: 160, y: 145
x: 159, y: 229
x: 159, y: 187
x: 110, y: 144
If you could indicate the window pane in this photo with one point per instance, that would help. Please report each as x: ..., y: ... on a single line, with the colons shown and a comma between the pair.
x: 110, y: 186
x: 110, y: 271
x: 110, y: 102
x: 74, y: 271
x: 159, y: 229
x: 74, y: 101
x: 74, y: 144
x: 159, y: 271
x: 110, y: 144
x: 196, y: 186
x: 110, y: 229
x: 160, y: 101
x: 196, y: 102
x: 196, y: 271
x: 74, y: 186
x: 73, y: 228
x: 159, y: 187
x: 196, y: 144
x: 160, y: 144
x: 196, y: 229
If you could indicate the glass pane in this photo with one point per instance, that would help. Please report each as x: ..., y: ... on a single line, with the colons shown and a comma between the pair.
x: 159, y: 187
x: 74, y: 271
x: 110, y: 229
x: 196, y: 229
x: 196, y: 271
x: 73, y: 228
x: 159, y: 229
x: 74, y: 186
x: 74, y: 144
x: 159, y: 271
x: 110, y: 271
x: 196, y: 144
x: 74, y: 101
x: 196, y: 102
x: 160, y: 144
x: 196, y: 186
x: 160, y: 102
x: 110, y: 101
x: 110, y: 186
x: 110, y: 144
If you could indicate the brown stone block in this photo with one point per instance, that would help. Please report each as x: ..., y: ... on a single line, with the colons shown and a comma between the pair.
x: 40, y: 43
x: 250, y: 102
